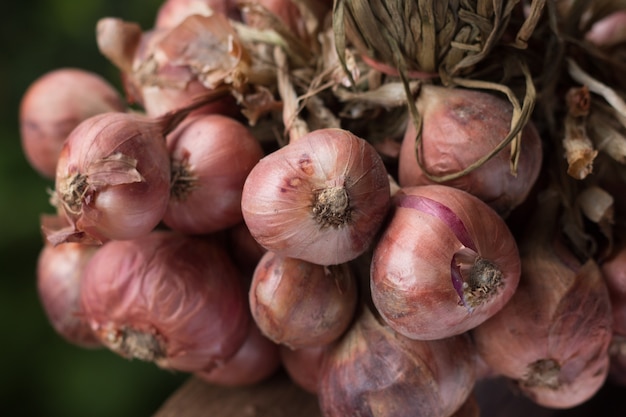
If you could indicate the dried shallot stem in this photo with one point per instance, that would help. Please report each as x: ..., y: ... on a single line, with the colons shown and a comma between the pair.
x: 579, y: 150
x: 295, y: 126
x: 607, y: 137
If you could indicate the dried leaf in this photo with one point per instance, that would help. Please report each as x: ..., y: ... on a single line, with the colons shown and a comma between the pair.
x: 607, y: 137
x: 295, y: 126
x: 258, y: 103
x: 116, y: 169
x: 579, y: 150
x: 595, y: 86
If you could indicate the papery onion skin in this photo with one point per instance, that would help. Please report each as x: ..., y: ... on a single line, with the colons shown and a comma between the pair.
x: 256, y: 360
x: 552, y: 337
x: 171, y: 299
x: 374, y: 371
x: 212, y: 156
x: 278, y: 200
x: 113, y: 176
x: 173, y: 66
x: 411, y: 279
x: 59, y: 276
x: 300, y: 304
x: 289, y: 13
x: 459, y: 127
x: 53, y: 105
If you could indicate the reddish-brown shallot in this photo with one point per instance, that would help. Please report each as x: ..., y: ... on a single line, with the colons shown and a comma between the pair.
x: 172, y: 12
x: 53, y: 105
x: 303, y: 365
x: 59, y: 277
x: 211, y: 156
x: 552, y: 337
x: 321, y: 198
x: 113, y: 178
x: 460, y: 126
x: 256, y: 360
x: 300, y: 304
x: 614, y: 273
x: 166, y: 69
x: 167, y: 298
x: 375, y: 371
x: 444, y: 263
x: 608, y: 31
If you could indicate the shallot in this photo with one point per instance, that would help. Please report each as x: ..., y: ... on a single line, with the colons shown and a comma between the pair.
x: 614, y: 274
x: 444, y: 263
x: 321, y: 198
x: 300, y: 304
x: 257, y: 359
x: 113, y: 178
x: 53, y: 105
x: 461, y: 126
x: 374, y: 371
x: 211, y: 156
x: 59, y: 276
x: 303, y: 365
x: 167, y: 298
x: 165, y: 69
x: 552, y: 338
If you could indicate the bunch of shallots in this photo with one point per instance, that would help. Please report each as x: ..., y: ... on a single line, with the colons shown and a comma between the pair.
x: 389, y: 201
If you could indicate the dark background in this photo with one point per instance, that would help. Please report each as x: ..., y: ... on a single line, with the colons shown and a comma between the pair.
x: 40, y: 373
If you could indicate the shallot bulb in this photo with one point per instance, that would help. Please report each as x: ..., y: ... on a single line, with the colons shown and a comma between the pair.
x: 614, y: 273
x: 59, y: 276
x: 444, y: 263
x: 552, y: 337
x: 171, y: 299
x: 53, y: 105
x: 300, y: 304
x: 608, y: 31
x: 303, y: 365
x: 113, y: 178
x: 321, y: 198
x: 375, y: 371
x: 165, y: 69
x: 460, y: 126
x: 172, y: 12
x: 211, y: 157
x: 256, y: 360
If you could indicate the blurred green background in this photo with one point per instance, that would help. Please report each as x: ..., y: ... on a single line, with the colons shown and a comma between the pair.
x: 41, y: 374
